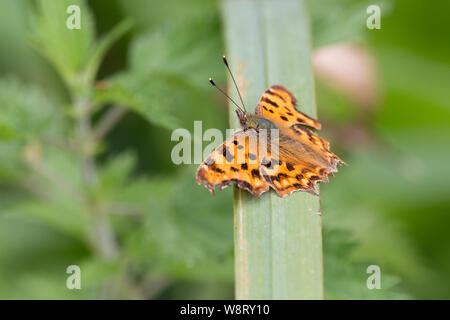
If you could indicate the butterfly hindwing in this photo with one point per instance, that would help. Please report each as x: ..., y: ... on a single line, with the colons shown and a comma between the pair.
x: 300, y: 164
x: 319, y: 148
x: 286, y: 177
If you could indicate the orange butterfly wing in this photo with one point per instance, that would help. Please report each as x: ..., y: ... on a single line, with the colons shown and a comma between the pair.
x: 304, y: 158
x: 236, y: 160
x: 279, y: 106
x: 285, y: 178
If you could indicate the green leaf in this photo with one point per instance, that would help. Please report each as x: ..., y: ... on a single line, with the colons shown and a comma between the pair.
x: 25, y: 112
x: 345, y: 277
x: 188, y: 48
x: 50, y: 253
x: 150, y: 14
x: 112, y: 177
x: 155, y: 96
x: 56, y: 199
x: 65, y: 216
x: 177, y: 235
x: 404, y: 187
x: 169, y: 70
x: 104, y: 44
x: 116, y: 171
x: 68, y: 50
x: 278, y: 245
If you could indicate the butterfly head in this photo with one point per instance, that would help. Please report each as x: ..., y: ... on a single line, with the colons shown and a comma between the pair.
x: 243, y: 119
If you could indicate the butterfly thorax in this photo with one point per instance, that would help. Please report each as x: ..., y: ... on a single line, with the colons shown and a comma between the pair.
x: 252, y: 121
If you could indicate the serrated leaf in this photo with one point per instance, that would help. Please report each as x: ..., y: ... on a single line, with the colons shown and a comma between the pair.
x: 25, y: 111
x: 67, y: 49
x: 172, y: 49
x: 154, y: 96
x: 178, y: 234
x: 59, y: 205
x: 104, y: 44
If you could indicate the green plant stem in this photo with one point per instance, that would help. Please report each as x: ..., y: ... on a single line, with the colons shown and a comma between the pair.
x: 84, y: 127
x: 278, y: 244
x: 102, y: 234
x: 107, y: 122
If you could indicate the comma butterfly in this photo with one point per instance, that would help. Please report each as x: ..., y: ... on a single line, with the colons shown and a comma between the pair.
x: 296, y: 160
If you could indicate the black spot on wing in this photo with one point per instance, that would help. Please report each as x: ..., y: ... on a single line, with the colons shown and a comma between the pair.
x: 255, y: 173
x: 226, y: 153
x: 289, y: 166
x: 267, y: 163
x: 270, y: 164
x: 243, y: 184
x: 282, y: 175
x: 270, y: 102
x: 217, y: 169
x: 274, y: 93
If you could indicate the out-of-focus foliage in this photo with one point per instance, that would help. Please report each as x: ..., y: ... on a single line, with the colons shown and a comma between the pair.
x: 68, y: 51
x: 24, y: 116
x: 394, y: 196
x: 163, y: 237
x: 173, y: 239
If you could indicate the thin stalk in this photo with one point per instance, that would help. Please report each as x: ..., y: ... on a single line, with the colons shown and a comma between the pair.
x: 102, y: 234
x: 84, y: 127
x: 278, y: 242
x: 108, y: 121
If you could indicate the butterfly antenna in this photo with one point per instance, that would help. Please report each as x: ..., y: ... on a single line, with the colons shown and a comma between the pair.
x: 234, y: 81
x: 214, y: 84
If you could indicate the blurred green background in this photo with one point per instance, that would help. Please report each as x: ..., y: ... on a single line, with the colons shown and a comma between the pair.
x: 86, y: 176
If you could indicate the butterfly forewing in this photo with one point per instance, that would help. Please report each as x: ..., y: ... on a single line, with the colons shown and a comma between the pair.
x: 279, y: 106
x: 236, y: 160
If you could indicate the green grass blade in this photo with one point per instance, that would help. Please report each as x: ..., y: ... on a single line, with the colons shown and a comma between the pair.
x: 278, y: 244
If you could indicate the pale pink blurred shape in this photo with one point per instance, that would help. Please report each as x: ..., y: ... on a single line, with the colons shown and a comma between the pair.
x: 350, y: 69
